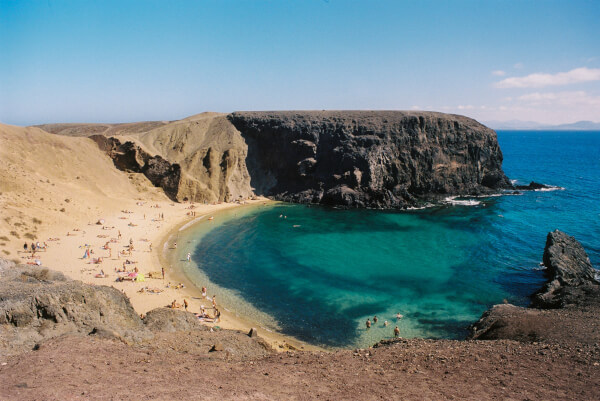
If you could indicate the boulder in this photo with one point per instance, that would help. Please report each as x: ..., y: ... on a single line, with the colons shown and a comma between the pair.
x: 172, y: 320
x: 569, y: 270
x: 217, y: 347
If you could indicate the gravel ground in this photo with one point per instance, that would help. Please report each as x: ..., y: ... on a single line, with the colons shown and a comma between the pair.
x: 88, y: 368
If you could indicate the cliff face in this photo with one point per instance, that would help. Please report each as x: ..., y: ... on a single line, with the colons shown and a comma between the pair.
x: 201, y: 158
x: 384, y: 159
x: 381, y: 159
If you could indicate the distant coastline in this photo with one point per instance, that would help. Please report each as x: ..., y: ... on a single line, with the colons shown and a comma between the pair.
x: 517, y: 125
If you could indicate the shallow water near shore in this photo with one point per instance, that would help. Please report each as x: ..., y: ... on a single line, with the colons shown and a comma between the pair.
x: 318, y: 273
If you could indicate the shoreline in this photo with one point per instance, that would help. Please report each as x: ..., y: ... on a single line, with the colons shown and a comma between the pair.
x: 229, y: 320
x: 136, y: 221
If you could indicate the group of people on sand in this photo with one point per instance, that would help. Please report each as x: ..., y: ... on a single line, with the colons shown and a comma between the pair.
x: 35, y: 247
x: 399, y: 316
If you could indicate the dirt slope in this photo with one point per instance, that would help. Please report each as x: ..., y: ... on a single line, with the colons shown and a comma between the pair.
x: 51, y: 180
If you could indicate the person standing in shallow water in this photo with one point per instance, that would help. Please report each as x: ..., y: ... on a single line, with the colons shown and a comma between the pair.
x: 368, y: 323
x: 396, y: 332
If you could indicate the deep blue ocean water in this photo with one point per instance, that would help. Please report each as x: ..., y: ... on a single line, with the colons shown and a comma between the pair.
x: 319, y: 273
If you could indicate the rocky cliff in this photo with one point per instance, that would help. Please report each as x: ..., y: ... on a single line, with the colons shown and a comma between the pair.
x: 382, y: 159
x: 201, y: 158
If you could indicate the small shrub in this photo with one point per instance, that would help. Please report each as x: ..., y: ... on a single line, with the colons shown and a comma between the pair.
x: 36, y: 221
x: 15, y: 234
x: 63, y: 210
x: 4, y: 251
x: 30, y: 236
x: 4, y: 238
x: 18, y: 224
x: 67, y: 200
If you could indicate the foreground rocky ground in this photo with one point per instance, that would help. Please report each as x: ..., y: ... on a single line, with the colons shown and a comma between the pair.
x: 99, y: 369
x: 80, y: 350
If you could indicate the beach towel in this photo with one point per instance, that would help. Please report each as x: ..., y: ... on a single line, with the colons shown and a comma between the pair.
x: 140, y: 277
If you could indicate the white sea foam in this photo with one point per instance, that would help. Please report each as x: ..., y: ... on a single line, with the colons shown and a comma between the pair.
x: 550, y: 188
x: 466, y: 202
x: 426, y: 206
x: 192, y: 222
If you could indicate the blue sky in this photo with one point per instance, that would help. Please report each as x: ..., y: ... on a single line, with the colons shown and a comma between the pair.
x: 119, y: 61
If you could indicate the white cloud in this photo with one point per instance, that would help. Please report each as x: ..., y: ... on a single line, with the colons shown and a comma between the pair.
x: 540, y: 80
x: 465, y: 107
x: 568, y: 99
x: 415, y: 107
x: 499, y: 73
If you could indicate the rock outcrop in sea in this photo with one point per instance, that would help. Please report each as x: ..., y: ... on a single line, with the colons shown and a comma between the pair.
x: 565, y: 308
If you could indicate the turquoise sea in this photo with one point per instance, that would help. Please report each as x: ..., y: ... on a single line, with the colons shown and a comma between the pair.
x: 318, y: 273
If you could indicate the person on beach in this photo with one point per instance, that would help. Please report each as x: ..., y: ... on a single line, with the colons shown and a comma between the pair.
x: 163, y: 272
x: 119, y: 234
x: 185, y: 304
x: 204, y: 292
x: 25, y: 247
x: 396, y: 332
x: 189, y: 257
x: 368, y: 323
x: 399, y: 316
x: 217, y: 316
x: 375, y: 319
x: 214, y: 301
x: 385, y: 323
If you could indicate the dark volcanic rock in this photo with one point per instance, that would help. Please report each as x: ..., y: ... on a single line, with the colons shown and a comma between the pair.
x: 569, y: 302
x: 130, y: 157
x: 571, y: 275
x: 383, y: 159
x: 532, y: 186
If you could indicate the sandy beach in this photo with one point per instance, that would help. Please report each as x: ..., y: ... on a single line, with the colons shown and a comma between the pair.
x: 55, y: 191
x: 148, y: 225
